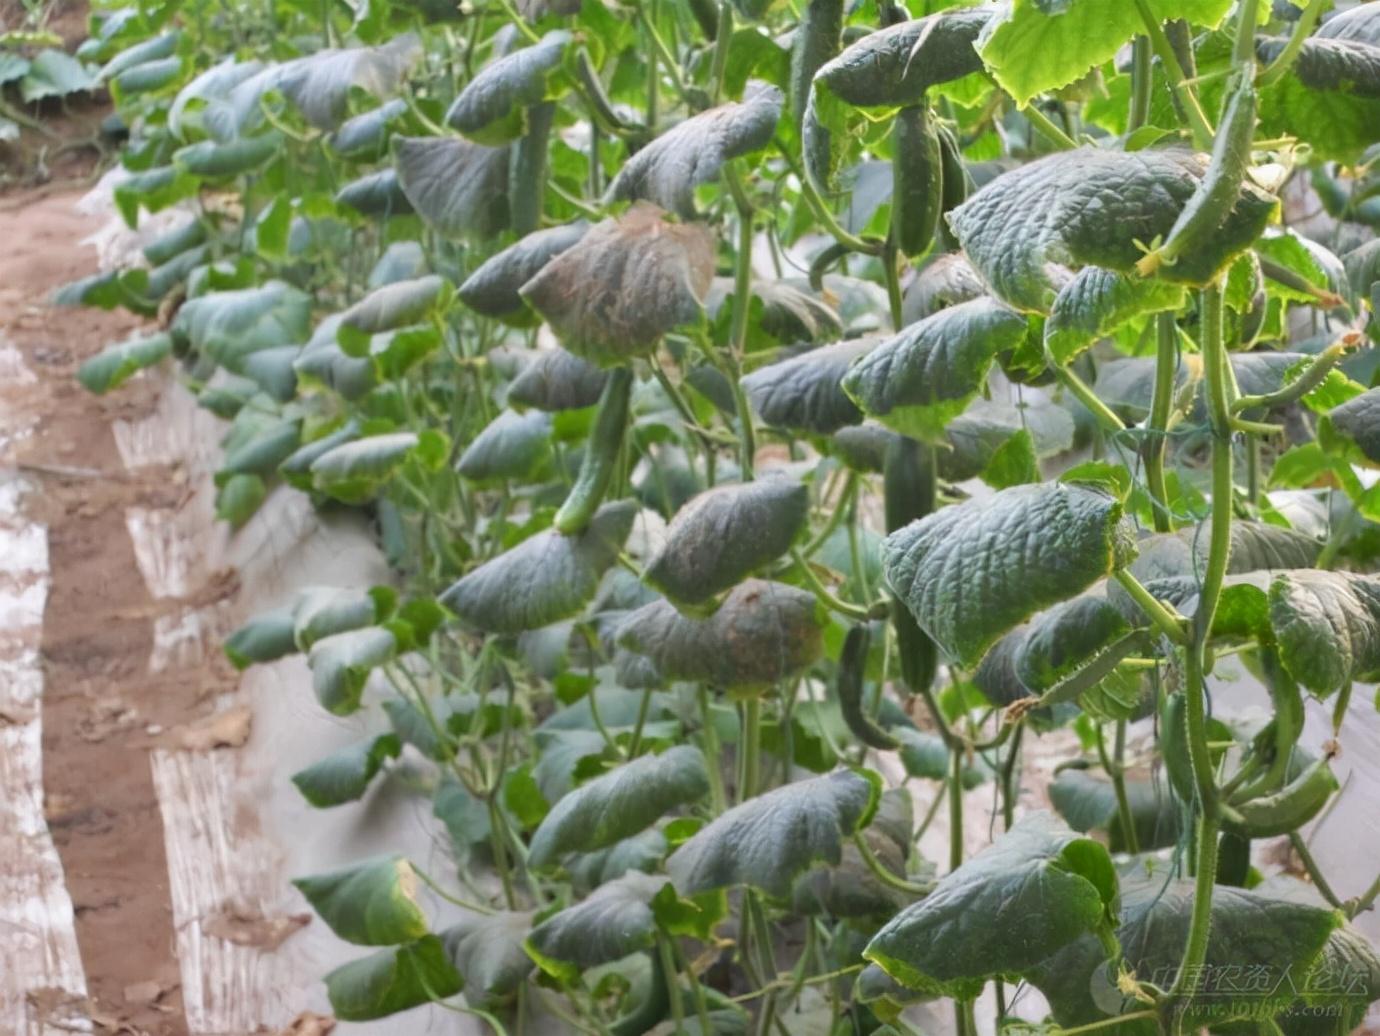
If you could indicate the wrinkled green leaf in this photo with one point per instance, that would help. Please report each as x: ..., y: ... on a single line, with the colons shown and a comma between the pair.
x: 724, y: 534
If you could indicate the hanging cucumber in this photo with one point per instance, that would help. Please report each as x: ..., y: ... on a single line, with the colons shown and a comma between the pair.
x: 1275, y: 743
x: 1288, y: 809
x: 852, y: 665
x: 527, y: 171
x: 908, y: 482
x: 957, y: 183
x: 815, y: 40
x: 1217, y: 192
x: 917, y: 177
x: 1178, y: 766
x: 1233, y: 859
x: 601, y: 454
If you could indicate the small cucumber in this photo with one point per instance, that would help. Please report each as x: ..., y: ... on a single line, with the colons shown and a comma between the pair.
x: 917, y: 170
x: 527, y: 170
x: 1178, y: 765
x: 1217, y: 192
x: 1288, y: 809
x: 908, y: 481
x: 601, y: 455
x: 815, y: 40
x: 852, y: 664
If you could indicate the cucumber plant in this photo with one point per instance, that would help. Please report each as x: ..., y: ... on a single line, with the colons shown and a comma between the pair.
x: 761, y: 405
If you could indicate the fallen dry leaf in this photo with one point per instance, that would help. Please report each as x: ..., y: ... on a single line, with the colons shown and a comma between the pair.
x: 245, y: 928
x: 308, y: 1023
x: 227, y: 729
x: 143, y: 993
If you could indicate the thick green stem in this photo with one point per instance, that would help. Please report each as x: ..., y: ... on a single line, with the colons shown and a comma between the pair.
x: 1215, y: 361
x: 1085, y: 395
x: 709, y: 737
x: 1303, y: 28
x: 1219, y: 547
x: 1168, y: 622
x: 722, y: 37
x: 749, y: 746
x: 1166, y: 362
x: 1048, y: 129
x: 1141, y: 81
x: 1320, y: 881
x: 1313, y: 376
x: 668, y: 969
x: 1010, y: 789
x: 893, y: 280
x: 956, y: 753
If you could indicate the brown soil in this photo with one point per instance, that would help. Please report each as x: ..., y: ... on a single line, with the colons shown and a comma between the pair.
x: 100, y: 698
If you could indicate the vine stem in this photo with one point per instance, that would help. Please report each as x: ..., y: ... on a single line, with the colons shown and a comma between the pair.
x: 811, y: 193
x: 1198, y: 123
x: 1219, y: 547
x: 1088, y: 398
x: 1045, y: 125
x: 710, y: 737
x: 742, y: 292
x: 1303, y: 28
x: 1141, y: 73
x: 1320, y: 882
x: 1115, y: 770
x: 1170, y: 623
x: 751, y: 749
x: 955, y: 804
x: 826, y: 596
x: 882, y: 874
x: 1166, y: 362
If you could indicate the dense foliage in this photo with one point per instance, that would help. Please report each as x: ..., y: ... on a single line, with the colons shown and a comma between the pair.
x: 759, y: 397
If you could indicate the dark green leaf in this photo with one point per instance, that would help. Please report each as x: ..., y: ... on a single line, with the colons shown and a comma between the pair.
x: 488, y: 952
x: 371, y: 903
x: 344, y: 776
x: 511, y: 446
x: 392, y: 980
x: 492, y: 107
x: 804, y: 393
x: 460, y: 189
x: 970, y: 573
x: 1093, y: 207
x: 918, y: 381
x: 726, y: 533
x: 614, y: 921
x: 341, y: 664
x: 769, y: 841
x: 668, y: 170
x: 762, y: 632
x: 545, y: 578
x: 1032, y: 892
x: 493, y: 289
x: 116, y: 364
x: 620, y: 803
x: 895, y: 66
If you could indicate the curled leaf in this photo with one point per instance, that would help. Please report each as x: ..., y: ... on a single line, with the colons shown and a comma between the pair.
x: 668, y: 170
x: 971, y: 572
x: 628, y: 281
x: 725, y: 533
x: 545, y: 578
x: 762, y: 632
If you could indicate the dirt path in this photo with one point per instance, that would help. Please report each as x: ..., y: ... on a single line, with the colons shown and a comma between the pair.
x: 103, y: 710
